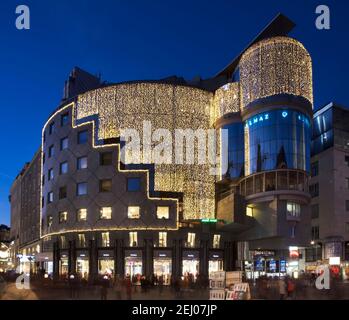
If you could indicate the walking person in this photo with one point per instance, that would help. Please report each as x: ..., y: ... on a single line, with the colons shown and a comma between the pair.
x: 290, y: 288
x: 104, y: 288
x: 282, y: 288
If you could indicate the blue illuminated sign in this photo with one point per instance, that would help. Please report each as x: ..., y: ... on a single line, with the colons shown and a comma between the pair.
x: 284, y: 114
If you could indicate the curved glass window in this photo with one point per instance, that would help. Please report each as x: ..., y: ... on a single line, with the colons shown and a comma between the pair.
x: 277, y: 139
x: 235, y: 150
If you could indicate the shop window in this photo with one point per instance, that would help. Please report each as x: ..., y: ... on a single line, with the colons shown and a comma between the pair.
x: 105, y: 213
x: 106, y: 158
x: 191, y: 240
x: 162, y: 239
x: 133, y: 239
x: 105, y: 185
x: 82, y: 214
x: 163, y: 212
x: 133, y: 212
x: 81, y: 240
x: 105, y: 239
x: 216, y: 241
x: 63, y: 216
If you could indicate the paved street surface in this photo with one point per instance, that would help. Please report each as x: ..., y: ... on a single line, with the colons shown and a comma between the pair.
x: 63, y: 292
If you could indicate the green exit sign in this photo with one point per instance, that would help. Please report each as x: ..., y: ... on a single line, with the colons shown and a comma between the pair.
x: 208, y: 220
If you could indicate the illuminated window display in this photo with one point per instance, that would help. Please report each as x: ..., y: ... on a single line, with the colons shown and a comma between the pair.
x: 190, y: 264
x: 63, y: 266
x: 82, y: 266
x: 277, y: 139
x: 163, y: 267
x: 106, y: 265
x: 133, y: 264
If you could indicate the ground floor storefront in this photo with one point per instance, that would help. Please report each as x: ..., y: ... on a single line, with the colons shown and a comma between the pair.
x: 162, y: 265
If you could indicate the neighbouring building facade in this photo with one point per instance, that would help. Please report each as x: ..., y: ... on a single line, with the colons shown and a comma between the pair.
x: 5, y: 261
x: 329, y: 188
x: 93, y: 214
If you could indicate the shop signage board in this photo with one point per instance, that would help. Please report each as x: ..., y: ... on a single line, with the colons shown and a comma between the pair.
x: 217, y: 294
x: 217, y: 280
x: 240, y: 291
x: 233, y: 277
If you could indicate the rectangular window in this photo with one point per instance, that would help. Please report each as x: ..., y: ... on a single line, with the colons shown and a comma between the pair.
x: 216, y: 241
x: 347, y: 227
x: 51, y: 128
x: 50, y: 197
x: 133, y: 239
x: 50, y: 174
x: 49, y: 221
x: 314, y: 171
x: 62, y: 192
x: 81, y: 240
x: 191, y: 240
x: 315, y: 233
x: 64, y: 119
x: 133, y: 212
x: 82, y: 163
x: 315, y: 211
x: 133, y: 184
x: 64, y: 143
x: 106, y: 159
x: 82, y: 137
x: 163, y: 212
x: 63, y: 168
x: 293, y: 209
x: 314, y: 190
x: 346, y: 160
x: 82, y: 214
x: 63, y: 241
x: 105, y: 213
x: 293, y: 232
x: 105, y: 185
x: 347, y: 205
x: 249, y: 211
x: 81, y: 189
x: 63, y: 216
x: 162, y: 239
x: 51, y: 151
x: 105, y: 239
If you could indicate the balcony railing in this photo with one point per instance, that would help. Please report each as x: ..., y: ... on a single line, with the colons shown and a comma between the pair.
x: 281, y: 179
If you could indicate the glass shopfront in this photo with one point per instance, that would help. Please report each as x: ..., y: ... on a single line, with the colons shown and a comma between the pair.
x: 64, y: 266
x: 215, y: 262
x: 106, y: 264
x: 133, y: 264
x: 82, y: 265
x: 277, y: 139
x: 163, y: 266
x: 190, y: 264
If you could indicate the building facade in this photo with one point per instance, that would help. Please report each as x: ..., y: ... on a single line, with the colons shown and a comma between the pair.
x: 103, y: 212
x: 329, y: 187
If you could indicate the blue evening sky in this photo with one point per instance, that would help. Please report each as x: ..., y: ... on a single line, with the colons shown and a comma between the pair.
x: 149, y: 39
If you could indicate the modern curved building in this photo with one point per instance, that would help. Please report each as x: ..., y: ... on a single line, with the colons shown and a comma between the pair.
x: 103, y: 214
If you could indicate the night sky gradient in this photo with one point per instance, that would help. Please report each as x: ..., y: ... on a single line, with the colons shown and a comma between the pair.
x: 135, y: 40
